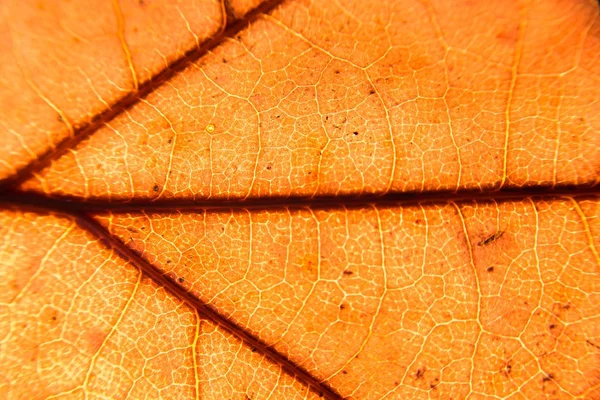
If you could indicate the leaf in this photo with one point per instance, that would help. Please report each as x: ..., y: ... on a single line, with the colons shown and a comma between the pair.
x: 350, y: 200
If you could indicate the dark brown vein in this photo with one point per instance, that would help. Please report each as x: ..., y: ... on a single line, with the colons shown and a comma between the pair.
x: 81, y: 212
x: 205, y: 310
x: 82, y: 132
x: 74, y: 204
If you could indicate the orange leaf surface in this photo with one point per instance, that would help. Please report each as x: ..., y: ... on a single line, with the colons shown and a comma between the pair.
x: 299, y: 199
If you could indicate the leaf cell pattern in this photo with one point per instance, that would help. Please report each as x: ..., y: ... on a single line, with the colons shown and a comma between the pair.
x: 299, y: 199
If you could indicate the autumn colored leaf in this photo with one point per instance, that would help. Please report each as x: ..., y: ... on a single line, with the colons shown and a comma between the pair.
x: 300, y: 199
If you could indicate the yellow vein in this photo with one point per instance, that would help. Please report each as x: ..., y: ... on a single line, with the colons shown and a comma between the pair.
x: 511, y: 89
x: 195, y: 351
x: 114, y: 328
x: 312, y: 289
x: 470, y: 248
x: 26, y: 76
x: 383, y: 294
x: 121, y: 33
x: 588, y: 231
x: 45, y: 259
x: 438, y: 31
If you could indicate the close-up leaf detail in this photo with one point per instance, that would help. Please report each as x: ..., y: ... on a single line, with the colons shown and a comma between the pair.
x: 349, y: 199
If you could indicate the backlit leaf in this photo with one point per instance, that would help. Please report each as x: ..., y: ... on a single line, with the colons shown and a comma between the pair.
x: 300, y: 199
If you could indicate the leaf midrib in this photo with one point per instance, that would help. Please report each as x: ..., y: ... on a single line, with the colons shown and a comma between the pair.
x: 81, y: 210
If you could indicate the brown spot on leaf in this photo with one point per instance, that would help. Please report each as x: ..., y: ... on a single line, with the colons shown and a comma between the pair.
x: 507, y: 368
x: 592, y: 344
x: 548, y: 377
x: 491, y: 239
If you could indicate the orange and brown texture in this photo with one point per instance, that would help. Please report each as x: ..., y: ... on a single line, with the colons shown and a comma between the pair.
x: 348, y: 199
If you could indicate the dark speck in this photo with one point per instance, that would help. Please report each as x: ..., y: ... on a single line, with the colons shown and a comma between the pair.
x: 337, y: 71
x: 348, y: 272
x: 269, y: 167
x: 508, y: 367
x: 224, y: 61
x: 490, y: 269
x: 371, y: 91
x: 491, y: 239
x: 181, y: 280
x: 548, y: 378
x: 551, y: 326
x: 155, y: 188
x: 355, y: 133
